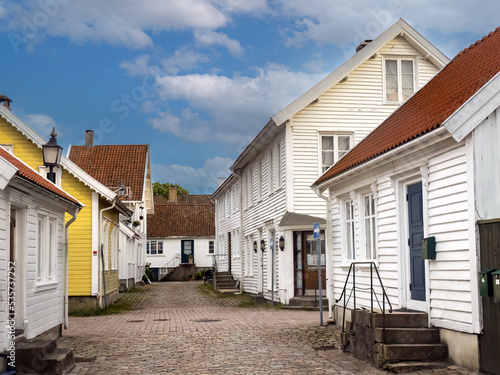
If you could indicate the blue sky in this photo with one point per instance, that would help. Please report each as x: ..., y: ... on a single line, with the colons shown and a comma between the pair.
x: 195, y: 79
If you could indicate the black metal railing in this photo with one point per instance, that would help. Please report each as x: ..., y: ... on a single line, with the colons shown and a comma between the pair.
x: 372, y: 293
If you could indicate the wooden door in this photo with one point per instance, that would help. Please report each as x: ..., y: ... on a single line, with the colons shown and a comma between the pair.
x: 489, y: 340
x: 229, y: 255
x: 186, y: 250
x: 306, y: 263
x: 415, y: 236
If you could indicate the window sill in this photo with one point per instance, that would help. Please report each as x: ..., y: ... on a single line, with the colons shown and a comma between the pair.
x: 346, y: 265
x: 45, y: 286
x: 155, y: 255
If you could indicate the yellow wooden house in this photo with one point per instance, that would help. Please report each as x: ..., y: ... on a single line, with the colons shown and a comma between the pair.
x: 93, y: 238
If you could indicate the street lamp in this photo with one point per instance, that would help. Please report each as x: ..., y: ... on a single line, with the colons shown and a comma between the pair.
x: 52, y: 155
x: 254, y: 246
x: 281, y: 243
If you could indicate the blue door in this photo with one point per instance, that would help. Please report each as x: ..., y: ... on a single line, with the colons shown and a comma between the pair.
x: 186, y: 250
x: 416, y: 234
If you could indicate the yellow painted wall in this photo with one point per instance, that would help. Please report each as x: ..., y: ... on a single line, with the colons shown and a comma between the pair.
x: 80, y: 232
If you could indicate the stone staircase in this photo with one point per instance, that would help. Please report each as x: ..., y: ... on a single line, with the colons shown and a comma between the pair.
x: 407, y: 344
x: 42, y: 356
x: 306, y: 302
x: 225, y: 283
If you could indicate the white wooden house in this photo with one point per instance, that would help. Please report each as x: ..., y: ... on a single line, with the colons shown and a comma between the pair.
x: 33, y: 254
x: 429, y: 171
x: 300, y: 142
x: 181, y: 236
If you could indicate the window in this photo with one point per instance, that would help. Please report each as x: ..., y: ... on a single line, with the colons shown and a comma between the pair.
x: 249, y: 255
x: 46, y: 254
x: 333, y: 147
x: 235, y: 242
x: 250, y: 187
x: 211, y: 247
x: 270, y: 171
x: 8, y: 147
x: 350, y: 230
x: 105, y: 244
x: 369, y: 226
x: 236, y: 197
x: 399, y: 80
x: 278, y: 165
x: 114, y: 248
x: 260, y: 178
x: 154, y: 247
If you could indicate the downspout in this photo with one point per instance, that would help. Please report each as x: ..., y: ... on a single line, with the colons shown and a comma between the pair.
x: 102, y: 251
x: 329, y: 276
x: 65, y: 265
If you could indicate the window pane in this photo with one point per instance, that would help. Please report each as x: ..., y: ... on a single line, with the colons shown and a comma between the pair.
x: 344, y: 143
x: 327, y: 159
x: 160, y: 247
x: 40, y: 247
x: 407, y: 79
x: 391, y: 80
x: 368, y: 238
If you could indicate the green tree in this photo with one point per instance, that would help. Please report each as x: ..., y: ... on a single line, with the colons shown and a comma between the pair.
x: 162, y: 188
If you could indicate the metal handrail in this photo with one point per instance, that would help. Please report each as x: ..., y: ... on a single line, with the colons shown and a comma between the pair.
x: 372, y: 293
x: 177, y: 256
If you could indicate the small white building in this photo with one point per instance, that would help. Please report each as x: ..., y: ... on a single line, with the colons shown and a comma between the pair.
x: 181, y: 235
x: 274, y: 173
x: 429, y: 171
x: 33, y: 253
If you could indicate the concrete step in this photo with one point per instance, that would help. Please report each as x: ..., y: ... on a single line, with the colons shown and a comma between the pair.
x: 228, y: 290
x: 415, y: 352
x: 309, y: 301
x: 408, y: 335
x: 400, y: 320
x: 43, y: 357
x: 407, y: 367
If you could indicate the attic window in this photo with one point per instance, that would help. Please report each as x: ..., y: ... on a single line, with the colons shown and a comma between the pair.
x: 399, y: 80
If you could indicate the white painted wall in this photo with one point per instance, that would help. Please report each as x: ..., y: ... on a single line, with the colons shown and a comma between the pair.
x: 443, y: 169
x: 172, y: 247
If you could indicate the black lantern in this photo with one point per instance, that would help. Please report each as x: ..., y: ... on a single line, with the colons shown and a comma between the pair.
x: 52, y: 155
x: 254, y: 246
x: 281, y: 243
x: 262, y: 245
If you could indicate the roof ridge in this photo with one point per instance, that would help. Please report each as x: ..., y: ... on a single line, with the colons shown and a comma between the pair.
x: 477, y: 42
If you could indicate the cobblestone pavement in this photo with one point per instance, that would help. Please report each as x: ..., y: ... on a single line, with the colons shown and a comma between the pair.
x: 176, y: 328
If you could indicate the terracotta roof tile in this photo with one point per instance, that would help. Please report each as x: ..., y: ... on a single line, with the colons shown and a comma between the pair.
x: 193, y: 220
x: 111, y: 164
x: 28, y: 173
x: 427, y: 109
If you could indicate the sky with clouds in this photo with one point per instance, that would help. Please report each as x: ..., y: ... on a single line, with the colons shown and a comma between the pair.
x: 195, y: 79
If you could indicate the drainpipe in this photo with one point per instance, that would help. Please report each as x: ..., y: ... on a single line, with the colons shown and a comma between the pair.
x: 65, y: 265
x: 329, y: 275
x: 102, y: 251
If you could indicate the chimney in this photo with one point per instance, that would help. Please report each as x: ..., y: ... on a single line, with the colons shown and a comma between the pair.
x: 6, y: 101
x: 172, y: 194
x: 363, y: 45
x: 89, y: 138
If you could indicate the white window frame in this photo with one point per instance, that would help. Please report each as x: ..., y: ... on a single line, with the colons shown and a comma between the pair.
x: 250, y: 184
x: 270, y: 170
x: 398, y: 59
x: 369, y: 231
x: 46, y: 270
x: 158, y: 244
x: 335, y: 151
x: 279, y: 165
x: 260, y: 179
x: 211, y: 247
x: 114, y: 247
x: 348, y: 205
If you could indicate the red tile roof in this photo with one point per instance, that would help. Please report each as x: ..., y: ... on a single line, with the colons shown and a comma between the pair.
x: 26, y: 172
x: 177, y: 219
x: 112, y: 164
x: 427, y: 109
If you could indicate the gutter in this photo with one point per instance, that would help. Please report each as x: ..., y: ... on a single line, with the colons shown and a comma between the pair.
x: 322, y: 186
x: 103, y: 284
x: 65, y: 265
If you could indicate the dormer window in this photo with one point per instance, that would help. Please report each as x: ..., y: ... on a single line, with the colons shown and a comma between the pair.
x: 399, y: 80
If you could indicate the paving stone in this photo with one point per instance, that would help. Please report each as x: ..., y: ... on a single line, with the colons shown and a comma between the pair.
x: 175, y: 328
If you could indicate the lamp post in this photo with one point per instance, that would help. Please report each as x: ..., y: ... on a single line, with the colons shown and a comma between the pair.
x: 52, y: 155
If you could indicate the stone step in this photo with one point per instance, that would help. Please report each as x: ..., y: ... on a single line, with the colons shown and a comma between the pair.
x: 306, y: 301
x: 43, y: 357
x: 401, y: 320
x: 414, y: 366
x: 415, y: 352
x: 408, y: 335
x: 228, y: 290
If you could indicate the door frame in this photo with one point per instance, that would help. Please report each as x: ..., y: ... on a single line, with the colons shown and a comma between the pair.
x: 20, y: 261
x: 186, y: 256
x: 404, y: 255
x: 303, y: 234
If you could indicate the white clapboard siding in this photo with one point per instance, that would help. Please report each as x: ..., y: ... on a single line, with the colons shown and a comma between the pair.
x: 447, y: 219
x: 355, y: 106
x: 265, y: 215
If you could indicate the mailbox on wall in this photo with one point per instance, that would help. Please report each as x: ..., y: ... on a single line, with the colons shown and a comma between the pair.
x: 429, y: 248
x: 486, y: 282
x: 496, y: 286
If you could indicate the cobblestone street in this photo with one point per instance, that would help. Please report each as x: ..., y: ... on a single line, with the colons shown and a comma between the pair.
x: 176, y: 328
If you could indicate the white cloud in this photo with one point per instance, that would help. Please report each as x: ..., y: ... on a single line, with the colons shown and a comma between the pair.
x: 209, y: 38
x: 116, y: 22
x: 139, y: 67
x: 235, y: 108
x: 42, y: 124
x: 198, y: 181
x: 183, y: 59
